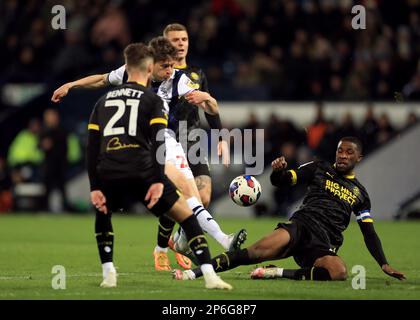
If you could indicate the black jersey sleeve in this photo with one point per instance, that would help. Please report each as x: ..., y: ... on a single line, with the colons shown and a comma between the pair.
x: 93, y: 148
x: 373, y: 243
x: 158, y: 121
x: 204, y: 85
x: 371, y: 238
x: 287, y: 178
x: 214, y: 121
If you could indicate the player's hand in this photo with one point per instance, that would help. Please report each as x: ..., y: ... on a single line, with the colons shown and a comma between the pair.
x: 61, y: 92
x: 99, y: 201
x: 153, y: 194
x: 197, y: 97
x: 223, y: 151
x: 392, y: 272
x: 279, y: 164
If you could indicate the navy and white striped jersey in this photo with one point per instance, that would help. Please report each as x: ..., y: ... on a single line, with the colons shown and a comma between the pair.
x: 171, y: 90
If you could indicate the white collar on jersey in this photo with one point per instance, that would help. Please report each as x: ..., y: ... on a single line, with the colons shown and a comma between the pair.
x: 173, y: 74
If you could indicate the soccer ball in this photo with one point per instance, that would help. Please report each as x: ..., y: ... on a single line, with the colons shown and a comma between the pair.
x: 245, y: 190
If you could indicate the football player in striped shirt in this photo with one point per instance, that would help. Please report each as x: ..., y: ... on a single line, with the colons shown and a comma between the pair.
x: 313, y: 234
x: 186, y: 110
x: 170, y: 85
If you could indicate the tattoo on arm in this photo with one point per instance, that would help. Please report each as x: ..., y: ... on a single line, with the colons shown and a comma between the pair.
x: 202, y: 182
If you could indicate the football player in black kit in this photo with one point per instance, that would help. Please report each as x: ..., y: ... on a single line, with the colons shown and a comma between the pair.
x: 185, y: 110
x: 122, y: 160
x: 313, y: 234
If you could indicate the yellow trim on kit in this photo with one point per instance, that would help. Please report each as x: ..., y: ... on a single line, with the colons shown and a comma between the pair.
x: 167, y: 236
x: 159, y: 120
x: 106, y: 233
x: 368, y: 220
x: 350, y: 176
x: 189, y: 242
x: 294, y: 177
x: 92, y: 126
x: 141, y: 83
x: 183, y: 66
x: 312, y: 273
x: 227, y: 258
x: 166, y: 229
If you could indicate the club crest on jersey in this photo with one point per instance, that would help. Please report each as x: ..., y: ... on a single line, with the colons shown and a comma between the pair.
x: 192, y: 84
x: 194, y: 76
x: 356, y: 191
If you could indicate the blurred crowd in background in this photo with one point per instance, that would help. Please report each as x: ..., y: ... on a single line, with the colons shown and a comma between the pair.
x: 250, y: 49
x: 39, y: 160
x: 318, y: 140
x: 44, y: 152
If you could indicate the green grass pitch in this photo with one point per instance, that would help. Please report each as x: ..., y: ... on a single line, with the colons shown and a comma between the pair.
x: 30, y: 245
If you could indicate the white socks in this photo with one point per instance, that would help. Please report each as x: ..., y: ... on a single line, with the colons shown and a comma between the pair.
x: 160, y: 249
x: 207, y: 268
x: 107, y: 267
x: 207, y: 223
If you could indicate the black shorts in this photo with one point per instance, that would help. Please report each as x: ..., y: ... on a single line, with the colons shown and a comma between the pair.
x: 305, y: 246
x: 119, y: 190
x: 200, y: 169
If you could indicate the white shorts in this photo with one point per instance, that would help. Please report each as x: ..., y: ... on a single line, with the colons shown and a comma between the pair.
x: 176, y: 155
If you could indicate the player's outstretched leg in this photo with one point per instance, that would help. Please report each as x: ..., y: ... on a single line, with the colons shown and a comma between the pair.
x: 327, y: 267
x: 178, y: 242
x: 199, y: 247
x: 270, y: 247
x: 198, y: 244
x: 209, y: 225
x: 223, y: 262
x: 272, y: 272
x: 230, y: 242
x: 105, y: 242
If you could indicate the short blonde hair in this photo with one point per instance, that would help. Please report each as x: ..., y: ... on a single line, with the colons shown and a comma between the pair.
x: 174, y: 27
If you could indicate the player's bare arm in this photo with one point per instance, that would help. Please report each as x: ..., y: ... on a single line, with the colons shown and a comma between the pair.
x: 204, y: 100
x: 93, y: 81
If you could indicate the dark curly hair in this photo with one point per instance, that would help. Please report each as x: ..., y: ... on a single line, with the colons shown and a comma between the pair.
x: 163, y: 49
